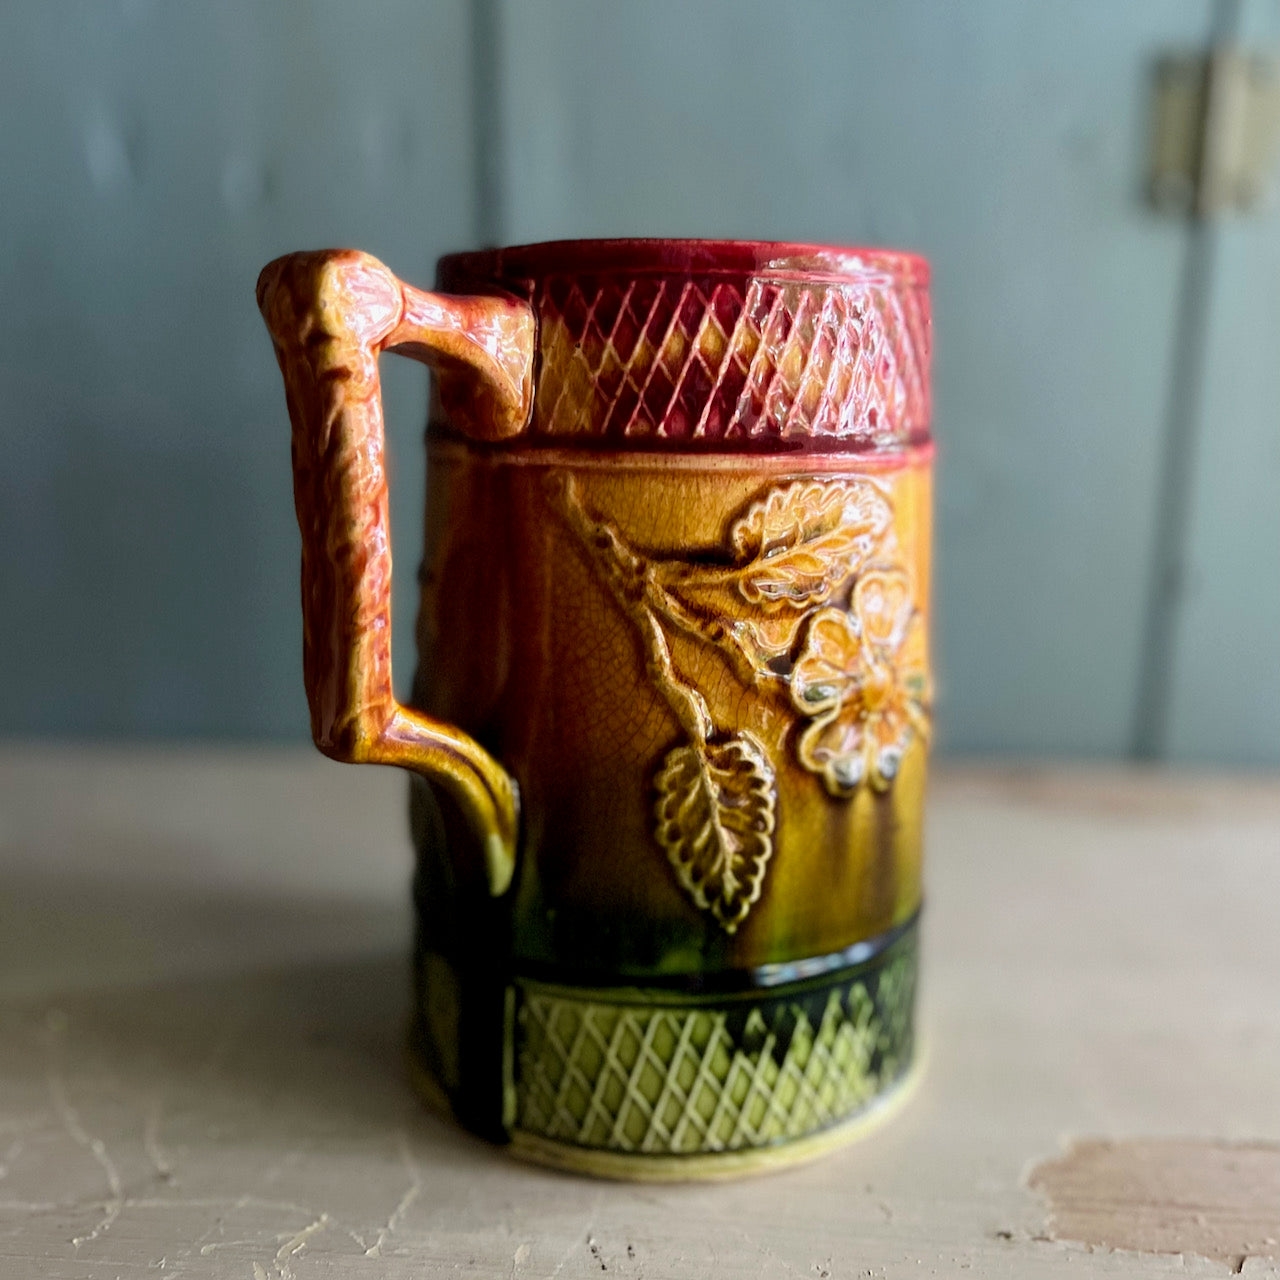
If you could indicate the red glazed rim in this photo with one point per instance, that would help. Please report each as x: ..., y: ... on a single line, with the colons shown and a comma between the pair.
x: 687, y: 257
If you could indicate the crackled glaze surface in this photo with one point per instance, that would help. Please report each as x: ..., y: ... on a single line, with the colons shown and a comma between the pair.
x: 659, y: 709
x: 676, y: 601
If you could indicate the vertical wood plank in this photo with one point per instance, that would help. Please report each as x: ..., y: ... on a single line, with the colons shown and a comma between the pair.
x: 1226, y: 658
x: 1008, y: 144
x: 154, y: 157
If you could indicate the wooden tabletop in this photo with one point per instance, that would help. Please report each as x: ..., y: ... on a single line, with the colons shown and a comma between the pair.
x: 203, y: 992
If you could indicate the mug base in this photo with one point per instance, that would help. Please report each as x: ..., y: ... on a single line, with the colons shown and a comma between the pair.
x: 676, y: 1085
x: 720, y: 1166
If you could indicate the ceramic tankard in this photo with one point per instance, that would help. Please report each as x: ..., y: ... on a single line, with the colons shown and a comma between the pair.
x: 669, y: 730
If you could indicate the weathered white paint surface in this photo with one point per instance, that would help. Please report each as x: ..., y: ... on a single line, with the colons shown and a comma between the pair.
x: 202, y: 995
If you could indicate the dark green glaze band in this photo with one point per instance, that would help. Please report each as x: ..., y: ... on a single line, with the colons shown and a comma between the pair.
x: 777, y: 974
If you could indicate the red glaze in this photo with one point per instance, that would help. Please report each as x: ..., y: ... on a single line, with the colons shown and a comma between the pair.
x: 718, y: 346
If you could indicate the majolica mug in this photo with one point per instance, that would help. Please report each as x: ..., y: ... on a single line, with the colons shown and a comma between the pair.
x: 668, y: 733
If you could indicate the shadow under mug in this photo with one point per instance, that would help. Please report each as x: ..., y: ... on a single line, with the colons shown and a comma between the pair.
x: 669, y: 729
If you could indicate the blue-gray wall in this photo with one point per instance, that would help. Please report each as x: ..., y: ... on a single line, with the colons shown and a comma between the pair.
x: 155, y: 155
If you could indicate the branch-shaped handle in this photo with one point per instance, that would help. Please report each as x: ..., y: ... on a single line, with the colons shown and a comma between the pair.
x: 331, y: 313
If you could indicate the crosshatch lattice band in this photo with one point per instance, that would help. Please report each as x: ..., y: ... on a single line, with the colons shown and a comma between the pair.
x: 719, y: 359
x: 648, y: 1073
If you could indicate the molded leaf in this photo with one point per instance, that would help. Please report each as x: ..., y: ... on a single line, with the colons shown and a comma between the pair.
x: 715, y: 816
x: 795, y: 545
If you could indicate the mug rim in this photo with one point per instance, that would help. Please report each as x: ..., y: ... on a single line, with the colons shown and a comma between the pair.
x: 680, y: 256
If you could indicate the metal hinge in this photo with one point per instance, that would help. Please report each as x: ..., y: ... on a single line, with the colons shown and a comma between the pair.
x: 1215, y: 126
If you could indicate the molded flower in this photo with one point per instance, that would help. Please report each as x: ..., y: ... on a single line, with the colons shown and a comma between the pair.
x: 863, y: 676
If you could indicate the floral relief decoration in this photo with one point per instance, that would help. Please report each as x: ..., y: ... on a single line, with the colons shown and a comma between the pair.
x: 862, y: 676
x: 811, y: 607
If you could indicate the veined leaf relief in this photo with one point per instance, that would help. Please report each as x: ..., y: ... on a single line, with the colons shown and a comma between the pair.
x: 810, y: 607
x: 715, y: 816
x: 796, y: 544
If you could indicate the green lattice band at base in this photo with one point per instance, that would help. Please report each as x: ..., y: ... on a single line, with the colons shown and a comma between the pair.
x: 665, y: 1074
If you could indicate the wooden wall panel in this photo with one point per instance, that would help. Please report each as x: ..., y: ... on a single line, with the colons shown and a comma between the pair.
x: 1225, y: 675
x: 154, y: 156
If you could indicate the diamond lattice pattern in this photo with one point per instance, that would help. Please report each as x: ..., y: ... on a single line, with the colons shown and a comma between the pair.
x: 717, y: 359
x: 683, y: 1079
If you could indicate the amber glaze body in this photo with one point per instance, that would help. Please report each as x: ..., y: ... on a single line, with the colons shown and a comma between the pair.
x: 670, y: 722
